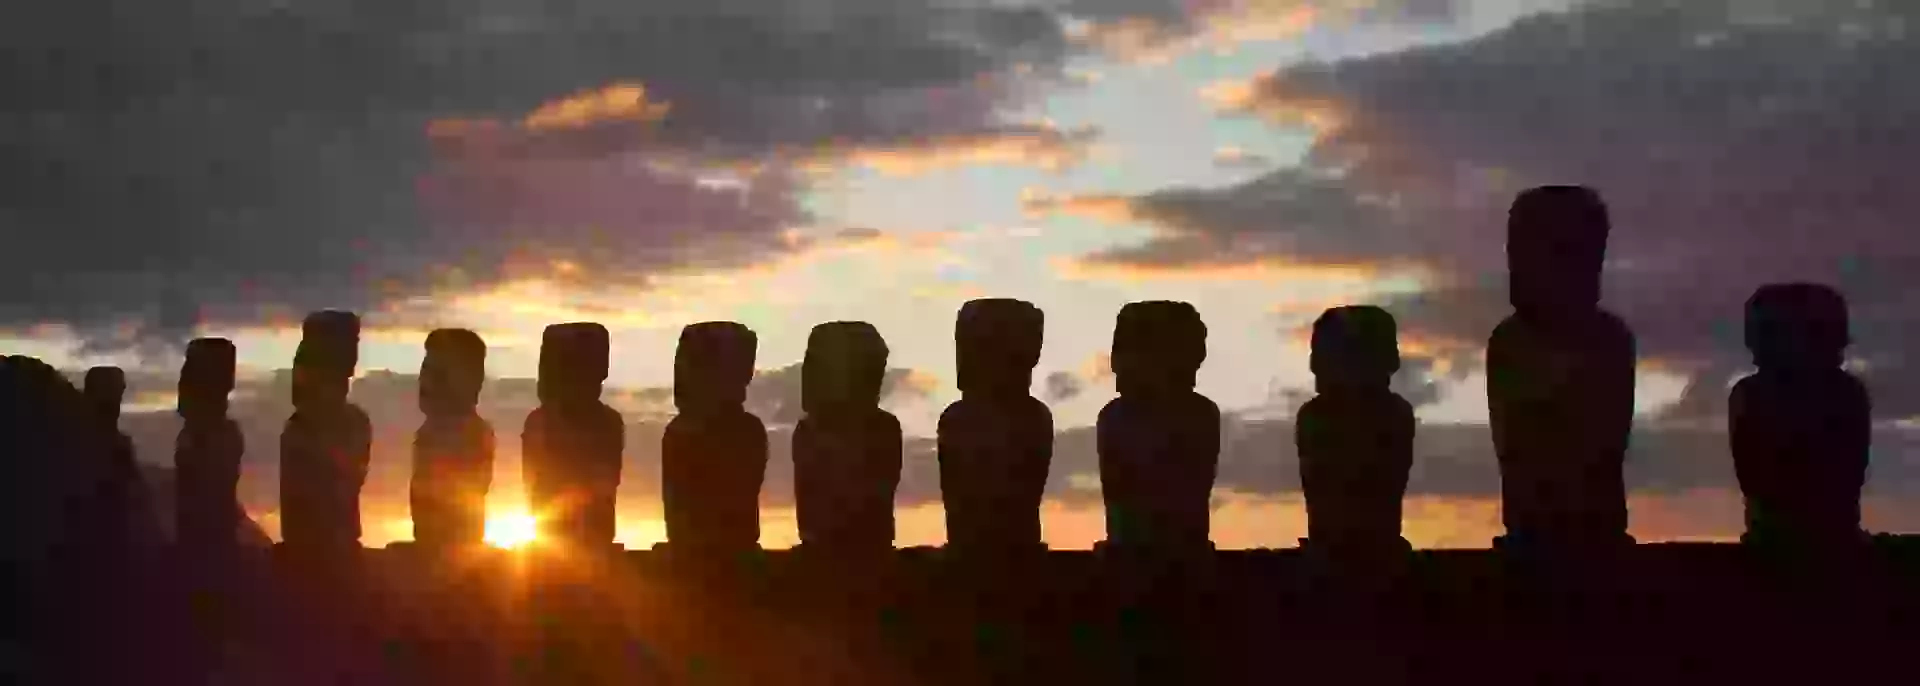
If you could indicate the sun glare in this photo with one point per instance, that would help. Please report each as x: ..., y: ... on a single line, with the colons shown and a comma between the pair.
x: 510, y: 530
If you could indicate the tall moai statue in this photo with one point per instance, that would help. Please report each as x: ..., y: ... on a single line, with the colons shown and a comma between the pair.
x: 1159, y: 442
x: 846, y: 450
x: 572, y: 445
x: 453, y: 450
x: 714, y: 454
x: 326, y: 445
x: 996, y: 442
x: 1560, y: 380
x: 207, y: 452
x: 1354, y: 438
x: 1801, y: 426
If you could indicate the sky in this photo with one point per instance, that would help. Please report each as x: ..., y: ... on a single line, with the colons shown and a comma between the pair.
x: 218, y: 168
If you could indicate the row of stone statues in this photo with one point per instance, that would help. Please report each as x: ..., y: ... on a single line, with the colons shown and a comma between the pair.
x: 1561, y: 394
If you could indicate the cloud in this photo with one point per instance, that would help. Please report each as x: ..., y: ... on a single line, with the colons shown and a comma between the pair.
x: 1738, y: 143
x: 1158, y: 30
x: 182, y: 168
x: 1063, y: 386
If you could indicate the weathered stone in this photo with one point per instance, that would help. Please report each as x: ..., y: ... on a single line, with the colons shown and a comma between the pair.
x: 996, y: 442
x: 1355, y: 439
x: 714, y: 453
x: 207, y: 454
x: 846, y: 450
x: 326, y: 445
x: 571, y: 445
x: 1159, y: 442
x: 453, y: 449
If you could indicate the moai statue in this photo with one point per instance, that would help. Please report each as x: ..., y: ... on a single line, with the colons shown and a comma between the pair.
x: 1354, y: 439
x: 1159, y: 442
x: 453, y: 450
x: 714, y: 454
x: 572, y: 444
x: 995, y: 442
x: 125, y: 507
x: 1560, y: 386
x: 325, y: 447
x: 1801, y: 426
x: 207, y: 452
x: 846, y: 450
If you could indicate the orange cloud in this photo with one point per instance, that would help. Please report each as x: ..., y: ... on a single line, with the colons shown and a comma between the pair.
x: 1047, y: 147
x: 610, y: 103
x: 1218, y: 25
x: 1111, y: 209
x: 1271, y: 269
x: 1258, y: 97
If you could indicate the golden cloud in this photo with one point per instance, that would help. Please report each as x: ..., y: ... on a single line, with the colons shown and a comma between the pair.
x: 1046, y: 147
x: 611, y: 103
x: 1267, y: 269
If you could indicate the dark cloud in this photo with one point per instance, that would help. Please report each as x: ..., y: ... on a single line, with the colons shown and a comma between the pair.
x: 1063, y: 386
x: 173, y: 165
x: 1738, y: 143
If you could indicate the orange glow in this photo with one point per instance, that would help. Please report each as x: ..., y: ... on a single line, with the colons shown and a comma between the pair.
x: 614, y: 102
x: 1265, y: 269
x: 511, y: 530
x: 1046, y: 147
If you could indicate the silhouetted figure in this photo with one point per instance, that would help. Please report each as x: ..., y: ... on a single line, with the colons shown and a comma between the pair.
x: 1355, y: 439
x: 206, y: 453
x: 571, y: 445
x: 453, y: 450
x: 1801, y: 426
x: 1560, y: 380
x: 325, y: 447
x: 714, y: 454
x: 1159, y: 442
x: 122, y: 501
x: 846, y: 450
x: 997, y: 440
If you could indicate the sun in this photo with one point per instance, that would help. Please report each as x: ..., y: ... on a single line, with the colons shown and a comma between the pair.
x: 510, y: 530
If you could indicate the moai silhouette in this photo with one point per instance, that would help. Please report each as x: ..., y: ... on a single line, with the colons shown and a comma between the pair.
x: 846, y: 450
x: 995, y: 442
x: 453, y: 450
x: 206, y: 453
x: 1159, y: 442
x: 122, y: 500
x: 1801, y: 426
x: 1560, y: 380
x: 714, y: 454
x: 325, y: 447
x: 1355, y: 438
x: 572, y: 444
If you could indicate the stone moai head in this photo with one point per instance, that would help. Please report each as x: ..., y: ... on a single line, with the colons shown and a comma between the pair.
x: 206, y: 378
x: 1354, y: 347
x: 573, y: 363
x: 104, y: 388
x: 323, y: 364
x: 1797, y: 326
x: 997, y: 344
x: 713, y: 365
x: 452, y: 373
x: 1158, y: 346
x: 1556, y: 244
x: 843, y: 369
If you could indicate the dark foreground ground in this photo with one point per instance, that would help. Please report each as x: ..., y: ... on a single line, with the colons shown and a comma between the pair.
x: 1667, y: 613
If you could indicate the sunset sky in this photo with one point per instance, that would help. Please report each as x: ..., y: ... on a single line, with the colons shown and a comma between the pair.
x: 221, y: 167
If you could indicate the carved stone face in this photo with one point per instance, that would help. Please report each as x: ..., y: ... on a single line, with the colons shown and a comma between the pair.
x: 1158, y: 348
x: 1556, y: 246
x: 713, y: 365
x: 845, y: 365
x: 206, y: 378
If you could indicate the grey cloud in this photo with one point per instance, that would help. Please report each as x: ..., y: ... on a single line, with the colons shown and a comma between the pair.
x: 179, y: 165
x: 1063, y: 386
x: 1738, y: 143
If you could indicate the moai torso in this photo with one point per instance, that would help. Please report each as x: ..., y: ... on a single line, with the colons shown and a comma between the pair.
x: 206, y: 463
x: 324, y: 455
x: 846, y: 450
x: 1158, y: 460
x: 846, y: 469
x: 712, y: 466
x: 714, y: 453
x: 571, y: 462
x: 452, y: 471
x: 1560, y: 398
x: 1159, y: 442
x: 994, y: 457
x: 1355, y: 453
x: 1800, y: 449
